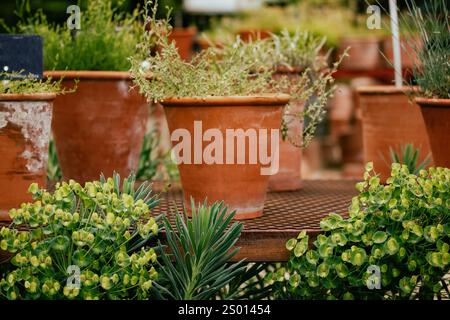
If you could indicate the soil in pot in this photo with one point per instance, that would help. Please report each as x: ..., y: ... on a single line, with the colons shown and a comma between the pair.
x: 213, y: 163
x: 25, y: 123
x: 100, y: 127
x: 436, y: 115
x: 184, y: 41
x: 364, y: 53
x: 390, y: 119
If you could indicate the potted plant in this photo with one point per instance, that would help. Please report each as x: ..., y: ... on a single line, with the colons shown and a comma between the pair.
x: 100, y: 127
x: 298, y: 59
x: 432, y: 74
x: 25, y: 122
x: 204, y: 99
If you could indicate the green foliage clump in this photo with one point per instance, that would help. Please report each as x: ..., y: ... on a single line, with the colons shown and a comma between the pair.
x: 17, y: 83
x: 99, y: 228
x: 402, y: 228
x: 432, y: 73
x: 199, y: 248
x: 106, y: 39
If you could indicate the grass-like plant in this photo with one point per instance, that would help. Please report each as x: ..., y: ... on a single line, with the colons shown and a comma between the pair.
x: 106, y: 39
x: 236, y: 69
x: 195, y: 266
x: 409, y: 156
x: 394, y: 244
x: 82, y: 242
x: 431, y: 22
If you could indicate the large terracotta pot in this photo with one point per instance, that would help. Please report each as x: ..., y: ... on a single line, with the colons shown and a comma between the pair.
x: 184, y: 40
x: 436, y: 114
x: 241, y: 186
x: 288, y: 177
x: 364, y: 53
x: 408, y: 49
x: 99, y: 128
x: 25, y: 122
x: 390, y: 119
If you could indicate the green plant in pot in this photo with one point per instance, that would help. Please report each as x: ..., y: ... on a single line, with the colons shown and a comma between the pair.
x: 393, y: 243
x: 298, y: 58
x: 100, y: 127
x: 82, y: 242
x: 25, y: 120
x: 220, y: 89
x: 432, y: 73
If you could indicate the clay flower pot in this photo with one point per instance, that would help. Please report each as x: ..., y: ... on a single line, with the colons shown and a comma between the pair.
x: 100, y: 127
x: 239, y: 182
x: 408, y: 47
x: 288, y: 177
x: 436, y: 114
x: 184, y: 41
x: 253, y: 34
x: 25, y: 123
x: 390, y: 119
x: 364, y: 53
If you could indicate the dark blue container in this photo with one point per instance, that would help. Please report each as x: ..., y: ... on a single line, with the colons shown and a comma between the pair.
x: 21, y: 52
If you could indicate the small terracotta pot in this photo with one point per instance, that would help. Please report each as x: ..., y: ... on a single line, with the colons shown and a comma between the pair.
x: 184, y: 40
x: 253, y: 34
x: 364, y: 53
x: 241, y: 186
x: 100, y: 127
x: 288, y: 177
x: 436, y: 114
x: 25, y: 123
x: 390, y: 119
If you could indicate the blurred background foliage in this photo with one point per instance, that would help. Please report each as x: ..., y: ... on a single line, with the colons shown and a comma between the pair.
x: 55, y: 10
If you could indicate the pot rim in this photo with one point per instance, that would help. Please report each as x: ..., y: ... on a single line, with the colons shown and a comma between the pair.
x: 88, y: 75
x: 237, y: 101
x: 385, y: 89
x: 432, y: 102
x: 27, y: 96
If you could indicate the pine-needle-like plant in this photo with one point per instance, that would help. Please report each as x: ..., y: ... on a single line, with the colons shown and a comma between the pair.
x: 194, y: 265
x: 20, y: 83
x: 409, y: 156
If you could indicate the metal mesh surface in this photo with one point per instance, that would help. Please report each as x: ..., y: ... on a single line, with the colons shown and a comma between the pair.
x: 287, y: 211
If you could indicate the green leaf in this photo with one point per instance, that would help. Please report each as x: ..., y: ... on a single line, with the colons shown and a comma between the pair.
x: 379, y: 237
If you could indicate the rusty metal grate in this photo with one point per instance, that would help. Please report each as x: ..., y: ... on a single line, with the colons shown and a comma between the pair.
x: 288, y: 211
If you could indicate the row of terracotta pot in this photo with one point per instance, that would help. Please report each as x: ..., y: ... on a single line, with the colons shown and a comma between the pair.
x: 391, y: 119
x: 100, y: 128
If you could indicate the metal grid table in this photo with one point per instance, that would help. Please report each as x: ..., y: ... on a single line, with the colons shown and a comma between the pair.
x: 285, y: 215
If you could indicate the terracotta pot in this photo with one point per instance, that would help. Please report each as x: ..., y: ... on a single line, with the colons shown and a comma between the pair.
x: 253, y: 34
x: 288, y: 177
x: 99, y: 128
x: 25, y: 122
x: 408, y: 47
x: 364, y: 53
x: 390, y: 119
x: 242, y: 187
x: 184, y: 40
x: 436, y: 115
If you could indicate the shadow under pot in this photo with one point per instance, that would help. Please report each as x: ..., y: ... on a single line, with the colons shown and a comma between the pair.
x: 25, y: 123
x: 436, y: 114
x: 100, y: 127
x: 226, y: 148
x: 390, y: 120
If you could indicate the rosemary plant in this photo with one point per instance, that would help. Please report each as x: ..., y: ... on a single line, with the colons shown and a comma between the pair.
x: 19, y: 83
